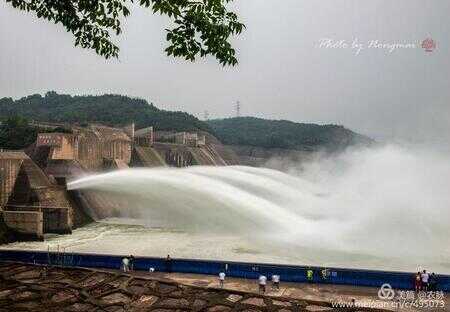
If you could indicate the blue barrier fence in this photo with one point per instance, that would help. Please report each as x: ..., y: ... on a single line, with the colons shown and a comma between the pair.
x: 298, y: 274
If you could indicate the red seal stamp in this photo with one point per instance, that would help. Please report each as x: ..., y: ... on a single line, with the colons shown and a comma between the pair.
x: 428, y: 45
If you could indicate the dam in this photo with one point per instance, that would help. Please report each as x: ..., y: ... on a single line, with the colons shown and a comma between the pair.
x: 153, y: 194
x: 33, y: 197
x: 243, y: 214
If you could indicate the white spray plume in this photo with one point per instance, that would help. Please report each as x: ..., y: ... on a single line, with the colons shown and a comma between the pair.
x: 382, y: 201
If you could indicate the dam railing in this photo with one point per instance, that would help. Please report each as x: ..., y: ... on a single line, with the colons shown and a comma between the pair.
x: 288, y: 273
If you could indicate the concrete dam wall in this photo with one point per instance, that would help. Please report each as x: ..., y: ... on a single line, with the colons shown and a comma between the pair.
x: 33, y: 194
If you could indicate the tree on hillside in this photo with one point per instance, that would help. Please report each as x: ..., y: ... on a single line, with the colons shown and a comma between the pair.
x: 15, y: 133
x: 202, y: 27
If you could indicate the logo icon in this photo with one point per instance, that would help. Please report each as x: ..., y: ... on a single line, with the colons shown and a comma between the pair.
x: 386, y: 292
x: 428, y: 45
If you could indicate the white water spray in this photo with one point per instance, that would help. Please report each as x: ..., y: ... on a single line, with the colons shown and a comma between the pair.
x: 386, y: 202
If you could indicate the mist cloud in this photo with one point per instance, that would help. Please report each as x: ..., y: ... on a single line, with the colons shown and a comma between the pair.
x: 365, y: 207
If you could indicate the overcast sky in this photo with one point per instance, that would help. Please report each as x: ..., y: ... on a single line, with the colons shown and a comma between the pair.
x: 284, y: 72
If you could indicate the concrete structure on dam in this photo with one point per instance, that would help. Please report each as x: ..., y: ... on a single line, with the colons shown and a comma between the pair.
x: 97, y: 148
x: 93, y: 148
x: 32, y: 202
x: 33, y: 195
x: 179, y: 149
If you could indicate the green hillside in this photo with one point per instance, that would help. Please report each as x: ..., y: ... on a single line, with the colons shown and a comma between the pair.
x: 113, y: 110
x: 118, y: 110
x: 285, y: 134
